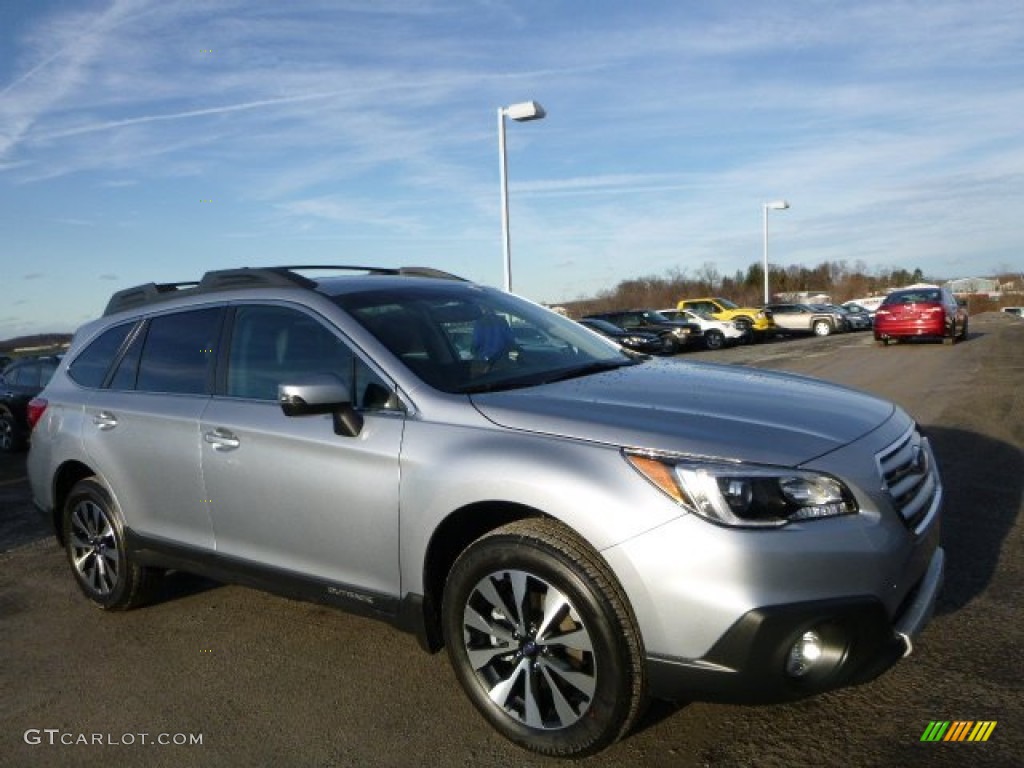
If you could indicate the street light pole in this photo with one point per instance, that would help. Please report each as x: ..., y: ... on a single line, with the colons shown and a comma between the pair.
x: 777, y: 205
x: 521, y: 113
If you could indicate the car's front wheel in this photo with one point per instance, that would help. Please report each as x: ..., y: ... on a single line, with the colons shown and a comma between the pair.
x: 714, y: 339
x: 95, y: 546
x: 542, y: 639
x: 822, y: 328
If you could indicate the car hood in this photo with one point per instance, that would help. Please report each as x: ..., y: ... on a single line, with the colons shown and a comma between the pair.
x: 704, y: 409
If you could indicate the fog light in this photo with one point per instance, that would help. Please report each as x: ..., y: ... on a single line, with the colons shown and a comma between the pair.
x: 804, y: 654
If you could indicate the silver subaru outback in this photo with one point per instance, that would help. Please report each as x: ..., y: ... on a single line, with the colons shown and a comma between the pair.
x: 581, y: 527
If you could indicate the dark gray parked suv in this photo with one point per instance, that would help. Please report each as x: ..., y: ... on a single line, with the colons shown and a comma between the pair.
x: 582, y: 529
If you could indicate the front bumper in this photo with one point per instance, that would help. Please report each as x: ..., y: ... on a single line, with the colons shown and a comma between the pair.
x: 748, y: 664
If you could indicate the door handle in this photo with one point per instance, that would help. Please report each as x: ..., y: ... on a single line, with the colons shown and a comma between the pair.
x: 105, y: 420
x: 222, y: 439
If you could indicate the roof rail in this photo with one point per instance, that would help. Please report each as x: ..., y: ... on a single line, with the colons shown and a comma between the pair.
x: 251, y: 277
x: 429, y: 272
x: 147, y: 293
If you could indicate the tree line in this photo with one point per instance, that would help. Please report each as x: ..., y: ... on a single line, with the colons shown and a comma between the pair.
x: 840, y: 280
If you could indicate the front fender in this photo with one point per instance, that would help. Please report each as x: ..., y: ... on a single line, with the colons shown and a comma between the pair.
x: 587, y: 486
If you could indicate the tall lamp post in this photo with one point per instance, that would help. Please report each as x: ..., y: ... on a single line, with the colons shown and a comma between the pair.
x: 521, y: 113
x: 777, y: 205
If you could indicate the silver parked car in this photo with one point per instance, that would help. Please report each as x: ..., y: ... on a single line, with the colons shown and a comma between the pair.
x: 807, y: 318
x: 581, y: 527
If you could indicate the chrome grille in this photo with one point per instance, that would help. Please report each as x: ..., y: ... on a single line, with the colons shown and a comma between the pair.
x: 909, y: 477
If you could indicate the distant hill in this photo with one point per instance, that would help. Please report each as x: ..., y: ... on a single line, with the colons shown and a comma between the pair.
x: 41, y: 342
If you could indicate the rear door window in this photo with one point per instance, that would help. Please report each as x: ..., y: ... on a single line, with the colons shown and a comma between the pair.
x: 178, y: 353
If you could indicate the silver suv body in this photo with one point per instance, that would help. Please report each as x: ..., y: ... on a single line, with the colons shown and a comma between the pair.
x: 580, y: 527
x: 807, y: 318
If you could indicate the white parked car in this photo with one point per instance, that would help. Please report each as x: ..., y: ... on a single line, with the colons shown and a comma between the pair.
x: 1018, y: 311
x: 717, y: 333
x: 869, y: 304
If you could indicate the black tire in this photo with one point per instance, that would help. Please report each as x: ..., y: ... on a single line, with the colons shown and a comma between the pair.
x: 714, y: 339
x: 963, y: 332
x: 95, y: 546
x: 561, y: 699
x: 822, y: 328
x: 10, y: 437
x: 745, y: 326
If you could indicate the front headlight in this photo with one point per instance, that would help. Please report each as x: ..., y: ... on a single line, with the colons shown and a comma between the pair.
x: 746, y: 496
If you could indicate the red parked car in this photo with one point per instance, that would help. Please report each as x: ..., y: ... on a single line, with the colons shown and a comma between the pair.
x: 920, y: 313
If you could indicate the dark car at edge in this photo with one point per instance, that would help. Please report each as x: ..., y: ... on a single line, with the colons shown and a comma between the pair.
x: 638, y: 341
x: 682, y: 335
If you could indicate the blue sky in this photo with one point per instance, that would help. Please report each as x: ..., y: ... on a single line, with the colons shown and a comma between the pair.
x: 152, y: 140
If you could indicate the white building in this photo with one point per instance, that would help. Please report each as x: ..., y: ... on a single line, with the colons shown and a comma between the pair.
x: 966, y: 285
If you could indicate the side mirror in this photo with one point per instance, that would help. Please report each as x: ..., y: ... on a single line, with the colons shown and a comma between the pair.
x: 321, y: 393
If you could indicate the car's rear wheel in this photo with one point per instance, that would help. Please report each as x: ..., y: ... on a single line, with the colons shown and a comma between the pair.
x: 822, y: 328
x: 542, y: 640
x: 10, y: 440
x: 714, y: 339
x: 95, y: 546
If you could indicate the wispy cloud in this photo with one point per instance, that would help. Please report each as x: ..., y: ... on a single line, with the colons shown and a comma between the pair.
x: 892, y: 127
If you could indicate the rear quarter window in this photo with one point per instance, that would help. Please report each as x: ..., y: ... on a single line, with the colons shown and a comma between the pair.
x: 90, y: 367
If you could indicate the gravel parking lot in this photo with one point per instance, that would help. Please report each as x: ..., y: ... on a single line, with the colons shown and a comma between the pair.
x: 261, y: 680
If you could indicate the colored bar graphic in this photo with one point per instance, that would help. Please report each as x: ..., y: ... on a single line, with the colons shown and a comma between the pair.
x: 982, y: 730
x: 935, y: 731
x: 958, y: 730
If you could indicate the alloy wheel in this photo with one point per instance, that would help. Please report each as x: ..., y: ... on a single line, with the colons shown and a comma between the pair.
x: 93, y: 547
x: 530, y: 650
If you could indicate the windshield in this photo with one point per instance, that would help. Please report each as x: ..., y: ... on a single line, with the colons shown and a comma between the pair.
x: 913, y: 297
x: 603, y: 325
x: 655, y: 317
x: 464, y: 338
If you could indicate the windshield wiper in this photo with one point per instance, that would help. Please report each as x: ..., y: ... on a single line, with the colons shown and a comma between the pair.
x: 537, y: 378
x: 586, y: 370
x: 500, y: 385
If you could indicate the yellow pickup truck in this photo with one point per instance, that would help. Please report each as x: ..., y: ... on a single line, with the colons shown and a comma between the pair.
x: 756, y: 322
